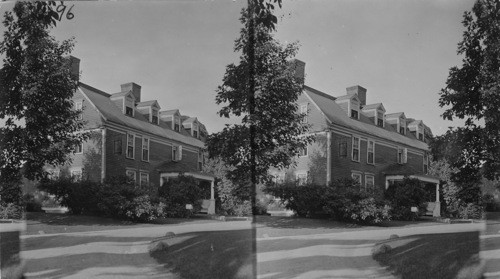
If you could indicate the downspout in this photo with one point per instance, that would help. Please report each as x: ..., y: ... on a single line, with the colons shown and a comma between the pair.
x: 328, y: 157
x: 103, y: 155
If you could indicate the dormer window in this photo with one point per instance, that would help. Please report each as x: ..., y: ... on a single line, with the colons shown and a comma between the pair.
x: 402, y: 126
x: 380, y: 118
x: 354, y: 114
x: 129, y: 111
x: 177, y: 124
x: 354, y: 107
x: 154, y: 116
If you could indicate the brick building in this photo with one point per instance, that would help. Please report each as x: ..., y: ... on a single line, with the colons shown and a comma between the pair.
x: 362, y: 141
x: 134, y: 137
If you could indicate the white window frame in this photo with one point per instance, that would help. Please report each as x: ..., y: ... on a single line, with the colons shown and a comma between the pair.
x: 404, y: 155
x: 358, y: 148
x: 426, y: 163
x: 353, y: 105
x: 359, y: 175
x: 304, y: 110
x: 304, y: 152
x: 402, y: 124
x: 369, y: 177
x: 377, y: 112
x: 368, y: 152
x: 200, y: 160
x: 148, y: 141
x: 155, y: 112
x: 79, y: 107
x: 127, y: 100
x: 129, y: 173
x: 81, y: 148
x: 140, y: 178
x: 128, y: 145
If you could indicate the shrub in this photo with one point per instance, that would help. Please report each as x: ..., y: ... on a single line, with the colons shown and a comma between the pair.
x: 31, y: 203
x: 470, y: 211
x: 116, y: 195
x: 490, y: 205
x: 402, y: 195
x: 305, y: 200
x: 11, y: 211
x: 260, y: 206
x: 143, y: 209
x: 179, y: 191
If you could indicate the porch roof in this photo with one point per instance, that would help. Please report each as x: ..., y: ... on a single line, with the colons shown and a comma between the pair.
x: 176, y: 167
x: 399, y: 171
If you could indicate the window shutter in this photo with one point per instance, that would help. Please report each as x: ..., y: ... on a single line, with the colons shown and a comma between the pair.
x: 405, y: 155
x: 180, y: 152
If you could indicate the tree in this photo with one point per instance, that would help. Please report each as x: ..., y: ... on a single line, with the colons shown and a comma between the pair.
x: 36, y: 86
x: 472, y: 92
x: 262, y: 89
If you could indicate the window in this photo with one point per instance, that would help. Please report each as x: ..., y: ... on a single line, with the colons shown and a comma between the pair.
x: 176, y: 153
x: 402, y: 155
x: 177, y: 124
x: 79, y: 107
x: 380, y: 119
x: 304, y: 111
x: 117, y: 147
x: 195, y: 134
x: 145, y: 149
x: 76, y: 175
x: 129, y: 111
x: 144, y: 181
x: 79, y: 148
x: 303, y: 152
x: 354, y: 114
x: 369, y: 182
x: 402, y: 126
x: 420, y: 136
x: 402, y: 130
x: 200, y: 160
x: 371, y: 152
x: 130, y: 146
x: 131, y: 175
x: 154, y: 117
x: 301, y: 178
x: 343, y: 149
x: 426, y: 163
x: 355, y: 148
x: 357, y: 177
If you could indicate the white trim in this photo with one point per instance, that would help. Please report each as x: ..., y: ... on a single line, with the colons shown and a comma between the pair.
x: 419, y: 177
x: 103, y: 154
x: 366, y: 180
x: 80, y: 144
x: 357, y: 173
x: 133, y: 146
x: 128, y: 170
x: 352, y: 148
x: 368, y: 152
x: 142, y: 148
x: 140, y: 178
x: 195, y: 175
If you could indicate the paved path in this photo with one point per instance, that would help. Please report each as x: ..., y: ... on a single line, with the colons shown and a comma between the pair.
x: 490, y: 246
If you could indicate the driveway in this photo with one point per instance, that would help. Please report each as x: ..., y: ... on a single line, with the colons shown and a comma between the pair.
x: 490, y: 245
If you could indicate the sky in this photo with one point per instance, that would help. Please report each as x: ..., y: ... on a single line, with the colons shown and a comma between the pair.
x: 400, y: 51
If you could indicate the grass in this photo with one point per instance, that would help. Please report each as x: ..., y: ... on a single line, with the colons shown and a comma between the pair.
x: 447, y: 255
x: 221, y: 254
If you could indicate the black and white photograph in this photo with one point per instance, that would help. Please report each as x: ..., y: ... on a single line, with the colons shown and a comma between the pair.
x: 250, y: 139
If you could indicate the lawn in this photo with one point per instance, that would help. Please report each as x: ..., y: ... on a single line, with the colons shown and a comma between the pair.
x: 446, y: 255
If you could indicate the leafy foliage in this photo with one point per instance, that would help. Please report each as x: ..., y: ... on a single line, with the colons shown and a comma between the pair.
x: 11, y: 211
x: 402, y: 195
x: 342, y: 200
x: 179, y: 191
x: 472, y: 93
x: 36, y: 86
x: 263, y: 81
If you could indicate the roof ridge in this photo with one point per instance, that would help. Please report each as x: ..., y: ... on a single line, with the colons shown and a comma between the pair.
x: 316, y: 91
x: 94, y: 89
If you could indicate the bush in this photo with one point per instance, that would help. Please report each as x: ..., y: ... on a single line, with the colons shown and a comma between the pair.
x: 490, y: 205
x: 402, y: 195
x: 143, y: 209
x: 470, y: 211
x: 31, y: 203
x: 260, y: 206
x: 11, y: 211
x: 341, y: 200
x: 177, y: 192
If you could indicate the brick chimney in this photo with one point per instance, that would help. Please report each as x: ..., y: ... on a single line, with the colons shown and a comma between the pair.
x: 74, y: 64
x: 300, y: 68
x: 135, y: 88
x: 360, y: 91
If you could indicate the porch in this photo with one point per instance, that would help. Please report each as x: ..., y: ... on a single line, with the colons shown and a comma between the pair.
x: 431, y: 185
x: 171, y: 170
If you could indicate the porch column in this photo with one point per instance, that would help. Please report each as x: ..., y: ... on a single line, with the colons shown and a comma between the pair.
x: 437, y: 208
x: 211, y: 207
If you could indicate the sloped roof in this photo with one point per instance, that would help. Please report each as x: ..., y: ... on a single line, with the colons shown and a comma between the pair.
x: 147, y: 103
x: 179, y: 167
x: 373, y: 106
x: 395, y: 115
x: 189, y: 120
x: 113, y: 114
x: 344, y: 97
x: 169, y: 112
x: 337, y: 116
x: 120, y: 94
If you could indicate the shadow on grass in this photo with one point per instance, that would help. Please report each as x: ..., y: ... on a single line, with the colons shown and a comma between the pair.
x: 219, y: 254
x: 431, y: 255
x: 58, y: 241
x: 490, y: 244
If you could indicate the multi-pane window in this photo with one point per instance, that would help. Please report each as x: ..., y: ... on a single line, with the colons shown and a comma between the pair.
x: 129, y: 111
x: 357, y: 177
x: 174, y: 153
x: 371, y: 152
x: 145, y: 149
x: 303, y: 111
x: 355, y: 148
x: 195, y: 134
x: 301, y: 178
x: 402, y: 126
x: 154, y: 117
x: 420, y: 136
x: 117, y: 147
x: 380, y: 119
x: 144, y: 179
x: 177, y: 124
x: 200, y: 161
x: 369, y: 182
x: 79, y: 148
x: 402, y: 155
x: 130, y: 146
x: 426, y: 163
x: 402, y: 130
x: 303, y: 152
x: 78, y: 107
x: 343, y: 148
x: 131, y: 175
x: 354, y: 114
